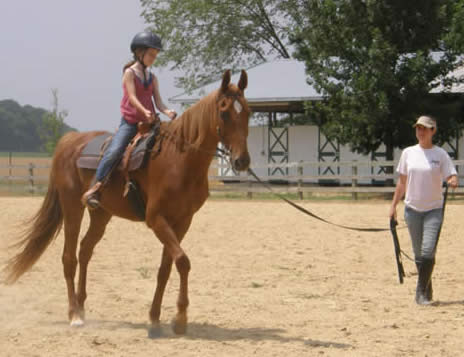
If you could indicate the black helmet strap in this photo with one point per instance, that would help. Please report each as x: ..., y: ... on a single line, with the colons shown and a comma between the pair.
x: 140, y: 60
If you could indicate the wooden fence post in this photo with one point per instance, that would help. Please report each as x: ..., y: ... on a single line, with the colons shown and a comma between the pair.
x: 31, y: 177
x: 354, y: 181
x: 300, y: 180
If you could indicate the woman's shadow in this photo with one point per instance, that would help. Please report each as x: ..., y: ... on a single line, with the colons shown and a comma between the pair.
x: 447, y: 303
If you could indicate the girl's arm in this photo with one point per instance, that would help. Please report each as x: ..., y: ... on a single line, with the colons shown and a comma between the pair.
x: 399, y: 193
x: 128, y: 82
x: 159, y: 102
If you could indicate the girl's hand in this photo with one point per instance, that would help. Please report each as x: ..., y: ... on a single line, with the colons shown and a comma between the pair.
x: 171, y: 114
x: 149, y: 116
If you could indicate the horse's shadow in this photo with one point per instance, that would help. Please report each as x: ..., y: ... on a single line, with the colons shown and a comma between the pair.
x: 207, y: 331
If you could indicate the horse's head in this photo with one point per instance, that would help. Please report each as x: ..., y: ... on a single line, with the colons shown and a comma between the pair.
x: 233, y: 120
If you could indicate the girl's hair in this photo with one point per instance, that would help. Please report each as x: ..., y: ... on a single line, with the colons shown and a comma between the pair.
x: 128, y: 64
x: 138, y: 53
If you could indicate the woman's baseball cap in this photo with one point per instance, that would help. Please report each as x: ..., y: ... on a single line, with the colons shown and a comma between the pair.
x: 426, y: 121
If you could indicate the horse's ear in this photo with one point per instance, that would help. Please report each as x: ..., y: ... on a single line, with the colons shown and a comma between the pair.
x: 243, y: 82
x: 225, y: 81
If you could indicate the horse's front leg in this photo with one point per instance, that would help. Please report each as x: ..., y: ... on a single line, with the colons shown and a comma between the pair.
x: 172, y: 253
x: 163, y: 277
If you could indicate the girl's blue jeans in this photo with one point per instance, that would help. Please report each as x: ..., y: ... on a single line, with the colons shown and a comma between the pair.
x: 113, y: 154
x: 423, y: 228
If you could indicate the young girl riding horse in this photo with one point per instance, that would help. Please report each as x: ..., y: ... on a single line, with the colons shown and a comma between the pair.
x: 139, y: 87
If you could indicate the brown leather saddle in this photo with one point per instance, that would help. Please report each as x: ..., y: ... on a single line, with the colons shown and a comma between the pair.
x: 135, y: 156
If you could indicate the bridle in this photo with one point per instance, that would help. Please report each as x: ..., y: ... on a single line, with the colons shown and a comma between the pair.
x: 225, y: 152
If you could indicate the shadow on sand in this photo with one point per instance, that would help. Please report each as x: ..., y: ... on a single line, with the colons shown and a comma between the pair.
x: 447, y: 303
x: 206, y: 331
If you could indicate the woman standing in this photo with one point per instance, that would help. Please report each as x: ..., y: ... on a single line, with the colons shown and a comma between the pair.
x: 422, y: 169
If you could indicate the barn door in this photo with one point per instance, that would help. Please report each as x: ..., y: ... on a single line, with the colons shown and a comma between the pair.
x: 328, y: 151
x: 278, y: 151
x: 379, y: 170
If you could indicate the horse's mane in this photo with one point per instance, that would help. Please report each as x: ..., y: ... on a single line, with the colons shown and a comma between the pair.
x: 194, y: 126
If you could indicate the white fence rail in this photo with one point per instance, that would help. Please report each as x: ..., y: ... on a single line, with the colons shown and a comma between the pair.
x: 298, y: 183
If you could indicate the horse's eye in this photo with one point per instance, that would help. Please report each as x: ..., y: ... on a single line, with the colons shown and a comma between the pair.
x: 223, y: 104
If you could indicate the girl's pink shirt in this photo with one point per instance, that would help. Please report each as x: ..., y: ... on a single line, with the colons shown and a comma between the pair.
x: 128, y: 111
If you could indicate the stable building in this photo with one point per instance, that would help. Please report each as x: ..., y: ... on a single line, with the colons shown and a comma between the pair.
x: 280, y: 88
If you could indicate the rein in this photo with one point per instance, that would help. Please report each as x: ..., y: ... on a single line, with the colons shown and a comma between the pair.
x: 307, y: 212
x: 226, y: 151
x: 396, y: 243
x: 442, y: 214
x: 225, y: 154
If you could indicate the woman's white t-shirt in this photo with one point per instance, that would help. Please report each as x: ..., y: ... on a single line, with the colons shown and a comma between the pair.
x: 426, y: 169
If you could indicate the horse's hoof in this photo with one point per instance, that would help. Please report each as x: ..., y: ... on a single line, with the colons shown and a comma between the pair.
x: 77, y: 322
x: 179, y: 325
x: 154, y: 331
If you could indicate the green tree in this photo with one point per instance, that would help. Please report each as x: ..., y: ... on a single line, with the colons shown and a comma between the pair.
x: 202, y: 37
x: 53, y: 125
x: 455, y: 37
x: 376, y: 61
x: 21, y: 127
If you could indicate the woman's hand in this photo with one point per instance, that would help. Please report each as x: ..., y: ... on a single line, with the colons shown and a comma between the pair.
x: 452, y: 181
x: 392, y: 213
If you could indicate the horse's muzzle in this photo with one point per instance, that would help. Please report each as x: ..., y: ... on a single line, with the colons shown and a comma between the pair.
x: 242, y: 163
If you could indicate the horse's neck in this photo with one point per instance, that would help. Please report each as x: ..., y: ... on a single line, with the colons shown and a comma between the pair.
x: 196, y: 129
x: 194, y: 137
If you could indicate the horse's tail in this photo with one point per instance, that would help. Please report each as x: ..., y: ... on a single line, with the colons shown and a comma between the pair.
x: 39, y: 233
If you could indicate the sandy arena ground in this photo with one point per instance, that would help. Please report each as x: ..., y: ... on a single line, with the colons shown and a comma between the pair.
x: 266, y: 280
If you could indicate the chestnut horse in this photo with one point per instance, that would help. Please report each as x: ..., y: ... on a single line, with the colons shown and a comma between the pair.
x: 174, y: 185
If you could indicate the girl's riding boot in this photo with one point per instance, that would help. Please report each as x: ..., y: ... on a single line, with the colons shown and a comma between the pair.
x: 91, y: 197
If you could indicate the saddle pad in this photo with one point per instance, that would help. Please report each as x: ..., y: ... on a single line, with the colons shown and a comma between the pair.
x: 92, y: 152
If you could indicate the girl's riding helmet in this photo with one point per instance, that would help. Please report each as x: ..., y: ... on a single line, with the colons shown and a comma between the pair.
x: 146, y: 39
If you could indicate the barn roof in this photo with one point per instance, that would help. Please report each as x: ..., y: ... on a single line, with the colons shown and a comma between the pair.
x: 280, y: 86
x: 455, y: 88
x: 272, y: 86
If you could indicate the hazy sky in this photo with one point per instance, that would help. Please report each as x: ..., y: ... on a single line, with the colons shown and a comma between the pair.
x: 77, y: 47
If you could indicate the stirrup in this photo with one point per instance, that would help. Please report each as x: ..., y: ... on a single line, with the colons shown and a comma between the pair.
x: 90, y: 198
x: 92, y: 202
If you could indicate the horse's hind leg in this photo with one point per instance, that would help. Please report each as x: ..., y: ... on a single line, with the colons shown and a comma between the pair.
x: 72, y: 217
x: 98, y: 221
